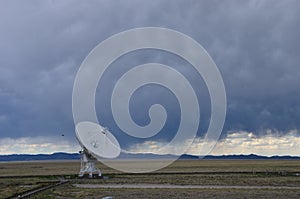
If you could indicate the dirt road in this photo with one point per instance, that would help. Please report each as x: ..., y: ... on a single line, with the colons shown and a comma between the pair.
x: 169, y: 186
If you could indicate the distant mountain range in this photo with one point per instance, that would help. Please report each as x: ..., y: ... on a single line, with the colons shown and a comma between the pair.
x: 76, y: 156
x: 29, y: 157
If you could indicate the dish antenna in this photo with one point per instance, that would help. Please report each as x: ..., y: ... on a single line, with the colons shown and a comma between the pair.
x: 96, y: 142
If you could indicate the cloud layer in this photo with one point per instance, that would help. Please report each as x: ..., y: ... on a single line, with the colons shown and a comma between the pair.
x: 255, y: 44
x: 37, y: 145
x: 273, y: 143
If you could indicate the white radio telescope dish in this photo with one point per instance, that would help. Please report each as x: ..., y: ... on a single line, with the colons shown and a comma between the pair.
x: 97, y: 142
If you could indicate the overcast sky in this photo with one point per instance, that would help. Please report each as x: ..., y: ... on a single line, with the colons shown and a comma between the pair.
x: 255, y: 44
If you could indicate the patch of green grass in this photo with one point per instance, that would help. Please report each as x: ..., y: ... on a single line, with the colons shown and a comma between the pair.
x: 68, y: 191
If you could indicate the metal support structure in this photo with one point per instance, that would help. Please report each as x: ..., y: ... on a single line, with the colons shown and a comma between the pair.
x: 88, y: 165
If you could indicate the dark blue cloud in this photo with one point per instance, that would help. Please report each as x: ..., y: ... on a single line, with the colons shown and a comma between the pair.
x: 255, y: 44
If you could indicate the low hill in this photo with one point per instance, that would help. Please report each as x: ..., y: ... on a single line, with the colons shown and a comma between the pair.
x: 76, y: 156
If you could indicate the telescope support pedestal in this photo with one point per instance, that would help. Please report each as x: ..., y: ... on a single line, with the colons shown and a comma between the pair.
x: 88, y: 165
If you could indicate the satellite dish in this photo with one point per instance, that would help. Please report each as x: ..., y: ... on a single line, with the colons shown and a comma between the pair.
x: 96, y: 142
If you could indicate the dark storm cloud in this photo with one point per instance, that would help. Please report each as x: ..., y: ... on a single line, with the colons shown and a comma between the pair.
x: 255, y: 44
